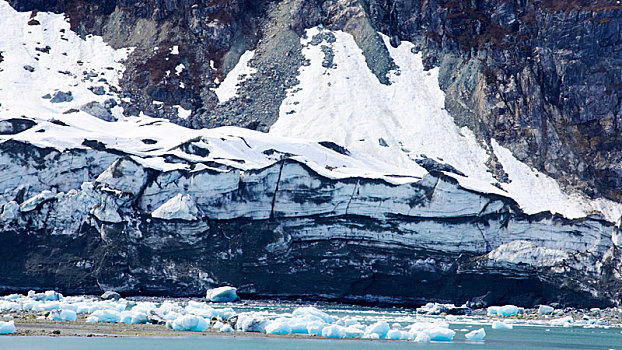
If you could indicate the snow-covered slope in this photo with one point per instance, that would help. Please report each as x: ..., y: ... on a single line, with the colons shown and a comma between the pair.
x: 406, y: 121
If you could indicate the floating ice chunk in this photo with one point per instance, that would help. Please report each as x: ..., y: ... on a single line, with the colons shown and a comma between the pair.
x: 545, y: 310
x: 371, y: 336
x: 46, y: 306
x: 218, y: 325
x: 397, y: 334
x: 313, y: 312
x: 562, y: 322
x: 279, y: 326
x: 334, y: 331
x: 503, y: 311
x: 222, y: 295
x: 190, y: 323
x: 105, y: 316
x: 63, y: 315
x: 226, y: 328
x: 354, y: 332
x: 251, y: 322
x: 476, y: 335
x: 422, y: 337
x: 180, y: 207
x: 9, y: 305
x: 315, y: 327
x: 440, y: 334
x: 381, y: 328
x: 501, y: 325
x: 7, y: 327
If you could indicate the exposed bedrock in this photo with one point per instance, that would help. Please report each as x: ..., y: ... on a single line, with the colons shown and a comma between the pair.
x: 284, y: 231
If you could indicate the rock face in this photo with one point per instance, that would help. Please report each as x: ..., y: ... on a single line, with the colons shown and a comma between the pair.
x: 285, y: 231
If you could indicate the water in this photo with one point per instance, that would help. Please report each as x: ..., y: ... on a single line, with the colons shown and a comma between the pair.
x: 519, y: 338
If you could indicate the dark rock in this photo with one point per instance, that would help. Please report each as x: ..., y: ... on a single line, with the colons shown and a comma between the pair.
x: 15, y: 126
x: 97, y: 90
x: 96, y: 109
x: 61, y: 96
x: 29, y: 68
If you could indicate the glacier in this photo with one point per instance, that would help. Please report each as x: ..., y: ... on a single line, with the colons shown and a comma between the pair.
x: 311, y: 209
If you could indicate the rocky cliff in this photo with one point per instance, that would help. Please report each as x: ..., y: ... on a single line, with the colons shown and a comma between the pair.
x: 458, y: 150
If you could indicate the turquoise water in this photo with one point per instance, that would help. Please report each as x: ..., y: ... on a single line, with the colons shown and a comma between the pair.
x: 519, y: 338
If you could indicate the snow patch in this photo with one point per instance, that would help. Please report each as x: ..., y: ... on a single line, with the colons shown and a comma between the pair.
x: 242, y: 71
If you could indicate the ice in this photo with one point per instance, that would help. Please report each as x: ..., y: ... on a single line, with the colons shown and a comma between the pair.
x: 279, y: 326
x: 397, y: 334
x: 562, y: 322
x: 189, y: 323
x: 501, y: 325
x: 381, y: 328
x: 222, y: 295
x: 315, y: 327
x: 476, y: 335
x: 545, y: 310
x: 7, y: 327
x: 422, y: 338
x: 180, y: 207
x: 354, y: 332
x: 334, y: 331
x: 226, y: 329
x: 504, y: 311
x: 63, y: 315
x: 440, y: 334
x: 313, y: 313
x: 251, y: 322
x: 105, y: 316
x: 9, y: 305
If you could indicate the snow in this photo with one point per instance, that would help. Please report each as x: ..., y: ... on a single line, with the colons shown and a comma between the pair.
x: 242, y: 71
x: 175, y: 50
x: 222, y: 295
x: 183, y: 113
x: 180, y: 207
x: 476, y: 335
x: 536, y: 192
x: 7, y: 327
x: 409, y: 117
x: 501, y: 325
x: 71, y: 64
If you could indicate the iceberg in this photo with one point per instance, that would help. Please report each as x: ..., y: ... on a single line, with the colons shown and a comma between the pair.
x: 222, y: 295
x: 279, y: 326
x: 501, y: 325
x: 63, y: 315
x: 190, y: 323
x: 476, y: 335
x: 315, y: 327
x: 381, y: 328
x: 397, y: 334
x: 504, y: 311
x: 226, y: 328
x: 105, y: 316
x: 314, y: 313
x: 251, y: 322
x: 7, y: 327
x: 440, y: 334
x: 545, y: 310
x: 334, y: 331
